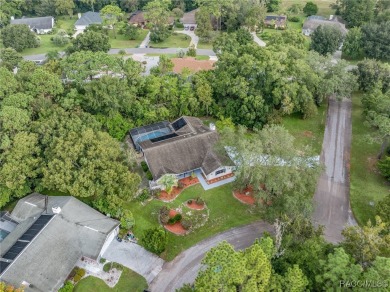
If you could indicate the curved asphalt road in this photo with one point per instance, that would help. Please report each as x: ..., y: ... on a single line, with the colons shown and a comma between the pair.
x: 184, y: 268
x: 331, y: 200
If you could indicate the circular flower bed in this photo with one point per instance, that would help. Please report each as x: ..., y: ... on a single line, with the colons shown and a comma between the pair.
x: 196, y: 204
x: 245, y: 196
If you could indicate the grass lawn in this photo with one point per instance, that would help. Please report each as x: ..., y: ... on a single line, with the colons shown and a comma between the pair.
x: 46, y: 46
x: 367, y: 185
x: 202, y: 57
x: 129, y: 281
x: 122, y: 42
x: 64, y: 22
x: 323, y: 5
x: 202, y: 45
x: 176, y: 40
x: 225, y: 212
x: 307, y: 132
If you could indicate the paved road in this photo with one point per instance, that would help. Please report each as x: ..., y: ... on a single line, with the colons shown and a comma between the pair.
x: 332, y: 207
x: 184, y: 268
x: 134, y: 257
x: 205, y: 52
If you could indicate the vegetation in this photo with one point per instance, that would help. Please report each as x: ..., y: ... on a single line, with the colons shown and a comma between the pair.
x: 90, y: 41
x: 310, y: 8
x: 326, y: 40
x: 129, y: 281
x: 19, y: 37
x: 155, y: 240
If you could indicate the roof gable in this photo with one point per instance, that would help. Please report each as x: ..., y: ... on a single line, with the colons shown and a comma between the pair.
x: 46, y: 22
x: 89, y: 18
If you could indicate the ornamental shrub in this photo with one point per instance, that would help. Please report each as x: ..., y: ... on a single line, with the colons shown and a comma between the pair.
x: 107, y: 267
x: 175, y: 219
x: 80, y: 272
x: 155, y: 240
x: 149, y: 175
x: 144, y: 166
x: 102, y: 260
x: 186, y: 223
x: 76, y: 278
x: 199, y: 201
x: 294, y: 19
x: 164, y: 215
x: 68, y: 287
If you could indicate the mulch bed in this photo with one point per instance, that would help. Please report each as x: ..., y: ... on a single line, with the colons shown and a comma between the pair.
x: 245, y: 196
x: 195, y: 206
x: 214, y: 180
x: 176, y: 228
x: 186, y: 182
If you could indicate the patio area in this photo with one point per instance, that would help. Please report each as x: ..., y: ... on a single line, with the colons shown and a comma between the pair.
x: 216, y: 184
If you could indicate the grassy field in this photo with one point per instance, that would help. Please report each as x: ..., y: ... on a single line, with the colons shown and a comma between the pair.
x: 64, y: 22
x: 202, y: 45
x: 129, y: 281
x: 323, y: 5
x: 46, y: 46
x: 367, y: 185
x: 176, y: 40
x: 122, y: 42
x: 225, y: 212
x: 307, y: 132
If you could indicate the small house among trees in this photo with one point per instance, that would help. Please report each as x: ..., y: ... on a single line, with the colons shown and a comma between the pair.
x: 87, y: 19
x: 312, y: 22
x: 188, y: 18
x: 275, y: 21
x: 39, y: 25
x: 181, y: 148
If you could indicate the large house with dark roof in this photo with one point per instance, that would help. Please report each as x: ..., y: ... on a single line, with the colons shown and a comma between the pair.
x: 50, y: 235
x: 181, y: 148
x: 39, y: 25
x: 87, y: 19
x: 312, y: 22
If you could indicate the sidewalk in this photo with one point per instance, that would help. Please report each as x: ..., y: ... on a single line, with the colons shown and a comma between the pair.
x: 146, y: 41
x: 257, y: 40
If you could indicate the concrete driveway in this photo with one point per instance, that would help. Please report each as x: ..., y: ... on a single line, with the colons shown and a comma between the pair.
x: 331, y: 200
x: 194, y: 37
x: 134, y: 257
x: 184, y: 268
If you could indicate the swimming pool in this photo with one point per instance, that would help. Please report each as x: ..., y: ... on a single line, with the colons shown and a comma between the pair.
x: 3, y: 234
x: 152, y: 135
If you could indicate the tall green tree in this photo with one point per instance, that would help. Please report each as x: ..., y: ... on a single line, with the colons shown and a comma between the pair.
x: 376, y: 40
x: 356, y: 12
x: 326, y: 40
x: 9, y: 58
x: 310, y: 8
x: 373, y: 74
x: 353, y: 43
x: 19, y: 37
x: 157, y: 13
x: 90, y: 2
x: 64, y: 6
x: 111, y: 15
x: 90, y: 41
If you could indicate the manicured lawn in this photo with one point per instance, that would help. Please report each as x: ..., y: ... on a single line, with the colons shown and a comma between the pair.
x: 201, y: 57
x: 176, y: 40
x: 367, y: 185
x: 202, y: 45
x: 46, y: 46
x: 323, y: 5
x: 225, y: 212
x: 129, y: 281
x: 64, y: 22
x: 307, y: 132
x: 122, y: 42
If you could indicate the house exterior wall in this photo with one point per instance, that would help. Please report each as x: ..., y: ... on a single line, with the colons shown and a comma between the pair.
x: 109, y: 239
x: 41, y: 31
x: 80, y: 27
x: 228, y: 170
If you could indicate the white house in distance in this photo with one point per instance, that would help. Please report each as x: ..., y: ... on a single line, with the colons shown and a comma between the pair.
x: 39, y: 25
x: 51, y: 234
x: 87, y: 19
x: 181, y: 148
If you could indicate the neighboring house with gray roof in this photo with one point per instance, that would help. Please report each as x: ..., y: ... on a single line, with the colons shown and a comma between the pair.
x: 87, y: 19
x: 181, y: 148
x: 39, y: 25
x: 51, y: 236
x: 312, y: 22
x: 188, y: 18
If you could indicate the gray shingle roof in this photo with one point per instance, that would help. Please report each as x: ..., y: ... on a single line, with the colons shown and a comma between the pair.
x: 36, y: 22
x: 78, y: 230
x: 312, y: 24
x: 89, y: 18
x: 192, y: 149
x: 189, y: 17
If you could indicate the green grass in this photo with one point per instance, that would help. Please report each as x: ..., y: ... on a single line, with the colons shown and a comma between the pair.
x: 309, y: 131
x: 129, y: 281
x: 46, y: 46
x: 170, y: 56
x: 367, y: 185
x: 122, y: 42
x: 202, y: 45
x: 225, y: 212
x: 64, y: 22
x: 323, y: 6
x: 201, y: 57
x: 176, y: 40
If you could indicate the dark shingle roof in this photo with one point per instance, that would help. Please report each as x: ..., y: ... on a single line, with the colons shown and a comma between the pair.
x: 137, y: 17
x: 36, y: 22
x: 191, y: 149
x: 189, y: 17
x: 89, y: 18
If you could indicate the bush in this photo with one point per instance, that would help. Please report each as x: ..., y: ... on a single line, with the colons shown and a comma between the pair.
x: 294, y: 19
x: 60, y: 40
x: 186, y: 223
x: 155, y: 240
x: 149, y: 175
x: 144, y: 195
x: 117, y: 266
x: 144, y: 166
x: 127, y: 219
x: 180, y: 184
x: 189, y: 202
x: 80, y: 272
x: 174, y: 219
x: 164, y: 215
x: 191, y: 51
x: 132, y: 32
x: 180, y: 54
x: 68, y: 287
x: 76, y: 278
x: 179, y: 25
x: 199, y: 201
x: 107, y: 267
x: 102, y: 260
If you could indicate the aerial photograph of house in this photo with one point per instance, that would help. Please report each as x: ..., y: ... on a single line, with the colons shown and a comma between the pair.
x: 50, y: 235
x: 276, y: 21
x: 181, y: 148
x: 39, y: 25
x: 188, y: 18
x: 314, y: 21
x: 87, y: 19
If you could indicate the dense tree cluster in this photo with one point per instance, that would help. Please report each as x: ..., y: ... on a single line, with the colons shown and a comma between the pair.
x: 19, y: 37
x: 297, y: 259
x: 326, y: 39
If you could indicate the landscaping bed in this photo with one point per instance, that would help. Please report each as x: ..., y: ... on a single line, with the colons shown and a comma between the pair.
x: 183, y: 183
x: 245, y: 196
x: 176, y: 227
x: 195, y: 204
